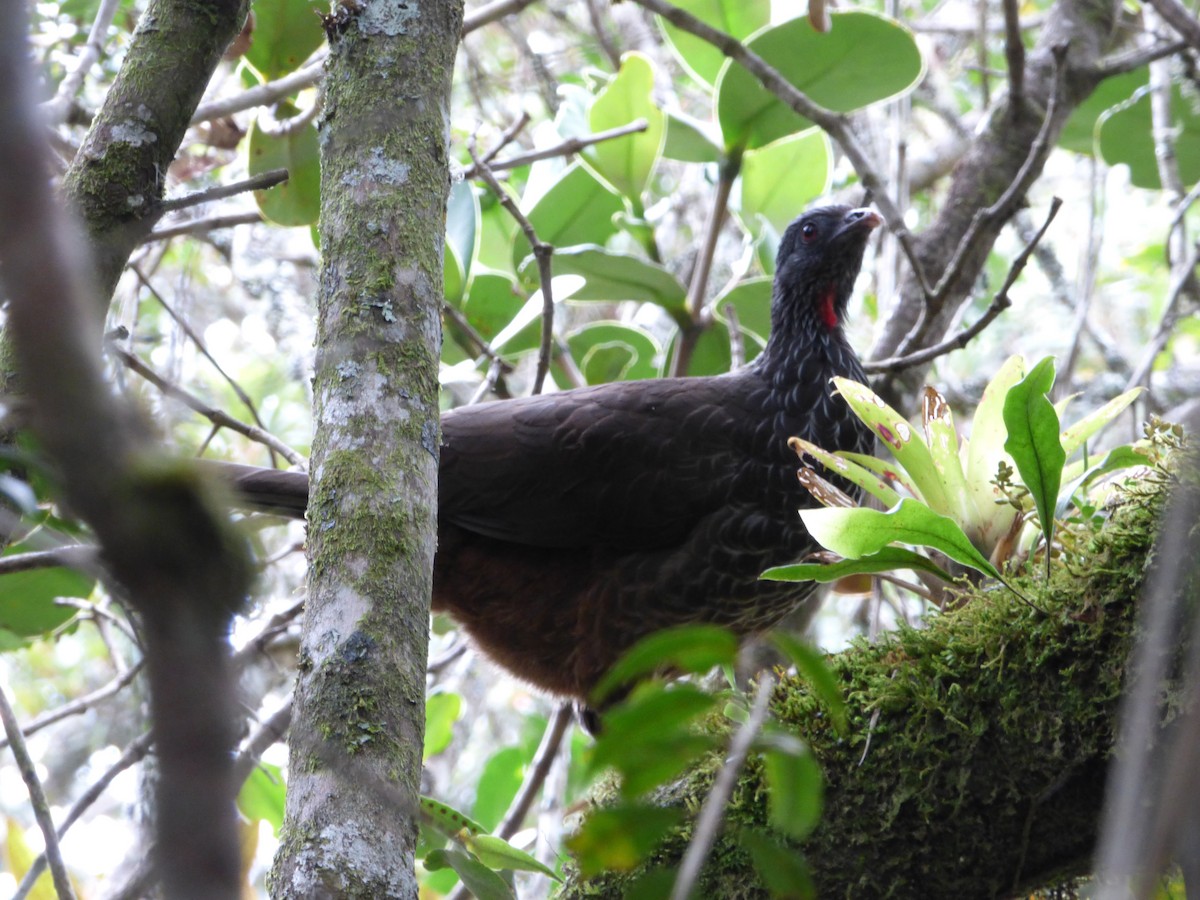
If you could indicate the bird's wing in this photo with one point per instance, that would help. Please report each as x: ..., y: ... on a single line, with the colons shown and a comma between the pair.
x: 629, y: 464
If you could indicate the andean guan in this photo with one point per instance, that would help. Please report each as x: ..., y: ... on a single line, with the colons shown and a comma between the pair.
x: 572, y: 524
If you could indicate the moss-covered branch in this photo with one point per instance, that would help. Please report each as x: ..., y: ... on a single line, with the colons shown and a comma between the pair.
x: 974, y: 760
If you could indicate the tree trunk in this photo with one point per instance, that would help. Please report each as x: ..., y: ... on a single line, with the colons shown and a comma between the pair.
x: 356, y: 736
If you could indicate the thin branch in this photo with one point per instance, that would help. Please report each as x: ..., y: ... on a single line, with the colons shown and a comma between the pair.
x: 270, y: 733
x: 506, y: 137
x: 1014, y: 54
x: 1176, y: 15
x: 567, y: 147
x: 836, y: 125
x: 221, y: 191
x: 543, y: 760
x: 74, y: 556
x: 1166, y: 325
x: 205, y: 225
x: 737, y: 347
x: 542, y: 253
x: 709, y: 820
x: 216, y: 416
x: 493, y: 12
x: 1129, y: 60
x: 1000, y: 302
x: 262, y: 94
x: 56, y: 110
x: 37, y: 797
x: 79, y: 704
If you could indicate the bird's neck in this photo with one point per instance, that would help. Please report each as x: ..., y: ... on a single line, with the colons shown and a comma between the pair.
x: 808, y: 343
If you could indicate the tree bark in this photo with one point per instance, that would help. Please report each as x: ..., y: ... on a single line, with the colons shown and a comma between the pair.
x: 973, y: 763
x: 356, y: 736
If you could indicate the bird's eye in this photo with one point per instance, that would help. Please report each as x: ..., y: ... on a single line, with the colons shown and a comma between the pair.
x: 808, y: 233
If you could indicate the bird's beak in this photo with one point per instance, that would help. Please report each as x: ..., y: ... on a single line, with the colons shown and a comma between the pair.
x: 862, y: 219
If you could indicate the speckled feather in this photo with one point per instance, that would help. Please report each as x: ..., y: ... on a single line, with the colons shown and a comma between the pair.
x: 572, y: 524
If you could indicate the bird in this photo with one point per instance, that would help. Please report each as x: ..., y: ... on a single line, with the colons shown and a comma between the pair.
x: 572, y: 524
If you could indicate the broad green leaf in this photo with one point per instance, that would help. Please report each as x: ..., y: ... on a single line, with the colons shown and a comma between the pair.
x: 688, y: 140
x: 618, y: 838
x: 462, y: 237
x: 261, y: 797
x: 737, y: 18
x: 751, y: 300
x: 521, y: 333
x: 492, y: 301
x: 1081, y: 131
x: 454, y: 276
x: 900, y: 438
x: 712, y: 354
x: 498, y: 785
x: 685, y: 648
x: 482, y: 882
x: 1118, y: 458
x: 1126, y: 136
x: 497, y: 853
x: 888, y: 472
x: 578, y: 209
x: 855, y: 533
x: 620, y: 276
x: 447, y: 820
x: 889, y: 559
x: 812, y: 666
x: 1033, y: 441
x: 627, y: 162
x: 985, y: 450
x: 782, y: 869
x: 298, y: 200
x: 441, y: 712
x: 497, y: 234
x: 610, y: 351
x: 783, y: 178
x: 286, y: 32
x: 794, y: 792
x: 651, y: 885
x: 27, y: 606
x: 864, y: 59
x: 1073, y: 437
x: 851, y: 471
x: 942, y: 436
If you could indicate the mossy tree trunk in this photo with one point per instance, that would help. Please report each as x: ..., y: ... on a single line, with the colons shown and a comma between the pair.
x: 356, y: 736
x: 974, y: 761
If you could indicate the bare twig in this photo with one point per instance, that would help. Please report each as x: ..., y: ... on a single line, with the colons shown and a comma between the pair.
x: 1000, y: 302
x: 709, y: 820
x: 543, y: 759
x: 57, y: 109
x: 1166, y: 325
x: 221, y: 191
x: 263, y: 94
x: 1129, y: 60
x: 1014, y: 54
x: 837, y: 126
x: 79, y: 704
x: 541, y: 252
x: 271, y: 732
x: 74, y: 556
x: 506, y: 137
x: 37, y: 797
x: 205, y: 225
x: 216, y: 416
x: 567, y: 147
x: 1177, y: 16
x: 493, y: 12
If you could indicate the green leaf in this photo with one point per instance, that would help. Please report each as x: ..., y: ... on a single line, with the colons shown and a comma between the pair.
x: 497, y: 853
x: 783, y: 870
x: 855, y: 533
x: 942, y: 437
x: 27, y: 606
x: 627, y: 162
x: 482, y: 882
x: 751, y: 300
x: 688, y: 140
x: 711, y: 354
x: 446, y: 819
x: 985, y: 452
x: 577, y: 209
x: 851, y: 471
x: 298, y: 200
x: 610, y: 351
x: 737, y: 18
x: 864, y: 59
x: 901, y: 439
x: 498, y: 785
x: 782, y: 178
x: 794, y: 792
x: 620, y: 276
x: 889, y: 559
x: 618, y: 838
x: 812, y: 666
x: 1126, y: 136
x: 441, y: 712
x: 1074, y: 437
x: 1033, y: 440
x: 1081, y: 133
x: 261, y: 798
x: 462, y: 235
x: 286, y: 32
x: 684, y: 649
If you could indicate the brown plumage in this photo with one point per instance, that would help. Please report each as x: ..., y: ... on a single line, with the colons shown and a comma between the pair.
x: 573, y: 524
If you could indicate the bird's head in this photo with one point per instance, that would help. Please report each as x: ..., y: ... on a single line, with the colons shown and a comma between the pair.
x: 818, y: 262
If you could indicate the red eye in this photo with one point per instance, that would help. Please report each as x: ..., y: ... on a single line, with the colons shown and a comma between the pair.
x: 808, y: 233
